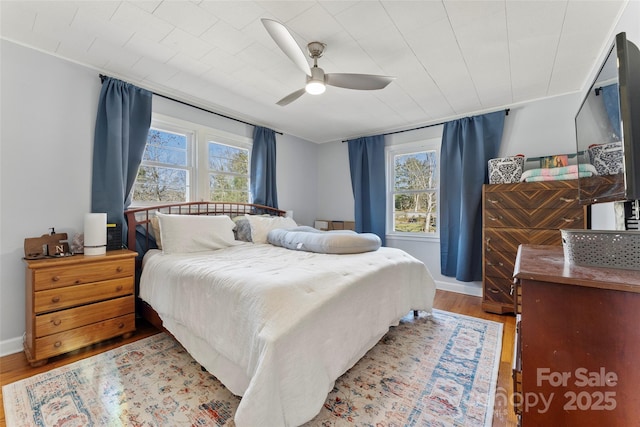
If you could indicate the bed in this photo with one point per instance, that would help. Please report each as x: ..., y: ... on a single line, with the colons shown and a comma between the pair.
x: 276, y: 326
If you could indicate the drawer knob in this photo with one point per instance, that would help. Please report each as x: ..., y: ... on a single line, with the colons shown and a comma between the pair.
x: 494, y: 291
x: 567, y: 200
x: 494, y: 201
x: 56, y: 322
x: 55, y: 299
x: 119, y: 269
x: 77, y: 282
x: 118, y: 288
x: 57, y: 344
x: 495, y: 218
x: 121, y: 325
x: 55, y: 278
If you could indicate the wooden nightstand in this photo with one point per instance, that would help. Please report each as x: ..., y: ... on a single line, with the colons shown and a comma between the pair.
x: 76, y: 301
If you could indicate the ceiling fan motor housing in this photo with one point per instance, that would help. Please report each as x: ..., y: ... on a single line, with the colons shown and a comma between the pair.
x: 316, y: 49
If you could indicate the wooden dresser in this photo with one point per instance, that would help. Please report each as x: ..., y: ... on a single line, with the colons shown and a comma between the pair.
x: 514, y: 214
x: 578, y: 342
x: 75, y: 301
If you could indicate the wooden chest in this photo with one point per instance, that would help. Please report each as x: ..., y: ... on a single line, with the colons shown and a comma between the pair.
x: 75, y: 301
x: 577, y: 344
x: 514, y: 214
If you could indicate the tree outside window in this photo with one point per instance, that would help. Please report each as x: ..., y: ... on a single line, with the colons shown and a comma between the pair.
x: 163, y: 175
x: 415, y: 192
x: 228, y: 173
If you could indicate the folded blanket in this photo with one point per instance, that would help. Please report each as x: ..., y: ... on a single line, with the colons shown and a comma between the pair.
x: 309, y: 239
x: 559, y: 174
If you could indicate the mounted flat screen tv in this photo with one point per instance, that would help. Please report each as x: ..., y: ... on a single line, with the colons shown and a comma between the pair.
x: 608, y: 129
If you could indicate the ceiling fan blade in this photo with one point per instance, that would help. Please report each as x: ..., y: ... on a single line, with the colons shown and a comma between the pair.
x: 358, y: 81
x: 285, y: 41
x: 291, y: 97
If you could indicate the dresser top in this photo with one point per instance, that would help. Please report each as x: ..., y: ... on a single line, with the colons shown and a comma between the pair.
x: 546, y: 264
x: 80, y: 258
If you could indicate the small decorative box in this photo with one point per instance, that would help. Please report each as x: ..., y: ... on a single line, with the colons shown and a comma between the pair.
x: 607, y: 158
x: 506, y: 170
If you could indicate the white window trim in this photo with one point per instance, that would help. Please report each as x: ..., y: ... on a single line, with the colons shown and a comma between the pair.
x: 390, y: 152
x: 197, y: 152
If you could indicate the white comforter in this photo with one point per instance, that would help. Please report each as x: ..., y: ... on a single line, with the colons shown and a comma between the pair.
x: 279, y: 326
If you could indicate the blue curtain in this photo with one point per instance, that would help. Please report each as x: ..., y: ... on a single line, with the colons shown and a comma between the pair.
x: 467, y: 146
x: 122, y: 125
x: 367, y: 168
x: 263, y: 167
x: 611, y: 99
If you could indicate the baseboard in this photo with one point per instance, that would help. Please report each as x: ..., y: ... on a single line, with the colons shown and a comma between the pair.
x: 11, y: 346
x: 460, y: 287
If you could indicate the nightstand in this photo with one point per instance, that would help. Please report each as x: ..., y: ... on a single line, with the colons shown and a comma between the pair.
x: 75, y: 301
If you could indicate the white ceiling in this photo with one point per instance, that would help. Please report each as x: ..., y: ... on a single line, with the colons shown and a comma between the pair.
x: 451, y: 58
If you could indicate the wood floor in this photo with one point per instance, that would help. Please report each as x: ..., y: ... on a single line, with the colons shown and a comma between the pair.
x: 15, y: 367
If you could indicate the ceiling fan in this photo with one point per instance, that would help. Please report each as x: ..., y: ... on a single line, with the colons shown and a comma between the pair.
x: 317, y: 79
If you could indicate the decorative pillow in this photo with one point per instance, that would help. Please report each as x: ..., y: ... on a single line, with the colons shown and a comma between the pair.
x: 260, y: 226
x: 155, y: 231
x: 195, y: 233
x: 242, y: 231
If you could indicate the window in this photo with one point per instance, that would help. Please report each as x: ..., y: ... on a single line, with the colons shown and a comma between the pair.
x: 412, y: 198
x: 228, y: 173
x: 165, y: 172
x: 185, y: 161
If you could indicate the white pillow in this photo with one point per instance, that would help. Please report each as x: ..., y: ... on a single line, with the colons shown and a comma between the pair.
x: 195, y: 233
x: 261, y: 226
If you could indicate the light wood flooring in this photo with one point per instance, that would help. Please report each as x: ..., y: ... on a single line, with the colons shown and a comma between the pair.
x: 15, y: 367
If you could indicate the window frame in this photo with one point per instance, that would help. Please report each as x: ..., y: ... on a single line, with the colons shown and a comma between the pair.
x: 197, y: 153
x: 391, y: 151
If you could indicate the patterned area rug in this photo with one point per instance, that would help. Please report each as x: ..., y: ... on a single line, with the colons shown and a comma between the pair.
x: 439, y: 370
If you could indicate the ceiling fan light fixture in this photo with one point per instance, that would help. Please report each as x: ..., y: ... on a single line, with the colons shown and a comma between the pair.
x: 315, y: 82
x: 315, y: 87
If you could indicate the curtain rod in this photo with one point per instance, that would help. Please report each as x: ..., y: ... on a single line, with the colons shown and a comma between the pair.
x: 506, y: 112
x: 102, y: 77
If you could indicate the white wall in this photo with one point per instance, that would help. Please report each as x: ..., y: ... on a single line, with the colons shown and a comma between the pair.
x: 48, y: 108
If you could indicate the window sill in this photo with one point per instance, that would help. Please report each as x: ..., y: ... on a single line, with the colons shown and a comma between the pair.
x: 413, y: 238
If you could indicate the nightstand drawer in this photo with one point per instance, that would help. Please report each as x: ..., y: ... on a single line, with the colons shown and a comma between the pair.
x: 70, y: 296
x: 64, y: 320
x: 73, y: 339
x: 57, y: 277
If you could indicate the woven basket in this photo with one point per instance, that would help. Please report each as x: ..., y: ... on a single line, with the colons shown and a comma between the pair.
x: 602, y: 248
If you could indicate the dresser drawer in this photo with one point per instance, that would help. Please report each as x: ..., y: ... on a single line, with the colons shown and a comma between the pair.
x: 73, y: 274
x: 498, y: 290
x: 570, y: 216
x: 499, y: 264
x: 70, y: 296
x: 504, y: 240
x: 563, y: 217
x: 554, y: 199
x: 73, y: 339
x: 545, y: 237
x: 63, y: 320
x: 539, y: 197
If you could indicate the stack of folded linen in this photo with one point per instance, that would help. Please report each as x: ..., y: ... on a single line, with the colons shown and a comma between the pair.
x: 559, y: 174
